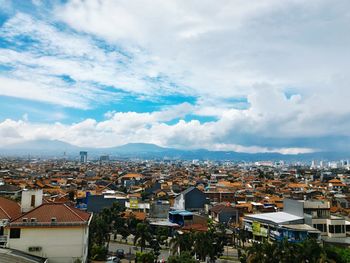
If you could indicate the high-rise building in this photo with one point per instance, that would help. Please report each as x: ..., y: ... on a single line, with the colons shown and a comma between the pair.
x: 83, y: 157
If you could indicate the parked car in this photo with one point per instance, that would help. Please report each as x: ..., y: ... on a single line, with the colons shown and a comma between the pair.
x: 113, y: 260
x: 120, y: 253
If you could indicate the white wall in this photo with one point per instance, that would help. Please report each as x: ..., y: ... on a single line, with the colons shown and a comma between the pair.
x: 27, y: 198
x: 59, y: 245
x: 179, y: 203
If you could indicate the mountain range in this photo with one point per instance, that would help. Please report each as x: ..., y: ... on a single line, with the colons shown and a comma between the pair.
x: 56, y: 148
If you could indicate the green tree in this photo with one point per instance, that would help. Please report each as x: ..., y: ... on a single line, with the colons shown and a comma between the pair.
x: 98, y: 252
x: 142, y: 235
x: 285, y: 252
x: 338, y: 254
x: 145, y: 257
x: 182, y: 242
x: 184, y: 257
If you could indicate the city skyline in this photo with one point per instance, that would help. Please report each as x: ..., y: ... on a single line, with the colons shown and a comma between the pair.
x: 251, y: 77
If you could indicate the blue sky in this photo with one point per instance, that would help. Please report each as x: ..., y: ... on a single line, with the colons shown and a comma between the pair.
x: 248, y: 76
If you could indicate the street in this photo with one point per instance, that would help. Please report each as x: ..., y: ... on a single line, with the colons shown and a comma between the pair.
x: 164, y: 253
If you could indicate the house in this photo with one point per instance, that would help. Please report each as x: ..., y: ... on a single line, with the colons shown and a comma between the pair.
x: 9, y: 255
x: 159, y: 209
x: 52, y: 230
x: 317, y: 214
x: 336, y: 185
x: 224, y: 213
x: 278, y: 226
x: 10, y: 190
x: 9, y: 210
x: 191, y: 199
x: 96, y: 203
x: 181, y: 217
x: 130, y: 179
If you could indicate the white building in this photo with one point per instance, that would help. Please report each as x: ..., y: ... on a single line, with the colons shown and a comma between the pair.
x: 55, y: 231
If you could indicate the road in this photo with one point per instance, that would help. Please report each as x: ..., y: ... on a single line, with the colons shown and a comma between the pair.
x: 164, y: 254
x: 113, y: 246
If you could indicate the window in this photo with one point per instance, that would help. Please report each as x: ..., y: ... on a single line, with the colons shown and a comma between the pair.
x: 15, y: 233
x: 319, y: 227
x: 331, y: 229
x: 32, y: 201
x: 347, y: 228
x: 338, y: 228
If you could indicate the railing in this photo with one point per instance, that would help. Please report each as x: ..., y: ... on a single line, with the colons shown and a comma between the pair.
x: 3, y: 239
x: 14, y: 224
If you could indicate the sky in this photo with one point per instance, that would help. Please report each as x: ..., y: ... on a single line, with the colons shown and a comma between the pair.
x: 247, y: 76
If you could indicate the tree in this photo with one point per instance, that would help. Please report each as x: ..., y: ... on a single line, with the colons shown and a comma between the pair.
x: 201, y: 245
x: 102, y: 224
x: 307, y: 251
x: 184, y: 257
x: 145, y: 257
x: 337, y: 254
x: 161, y: 235
x: 99, y: 231
x: 142, y: 235
x: 216, y: 238
x: 182, y: 242
x: 98, y: 252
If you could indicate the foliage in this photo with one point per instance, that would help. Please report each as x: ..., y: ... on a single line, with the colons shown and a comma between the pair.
x: 203, y: 244
x: 184, y: 257
x: 145, y: 257
x: 98, y: 252
x: 100, y: 228
x: 142, y: 235
x: 284, y: 251
x: 99, y: 231
x: 337, y: 254
x: 182, y: 242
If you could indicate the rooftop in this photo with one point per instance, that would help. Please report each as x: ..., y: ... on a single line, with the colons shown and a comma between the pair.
x: 15, y: 256
x: 44, y: 214
x: 275, y: 217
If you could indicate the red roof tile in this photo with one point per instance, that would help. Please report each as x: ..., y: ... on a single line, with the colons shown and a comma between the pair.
x: 9, y: 209
x: 62, y: 212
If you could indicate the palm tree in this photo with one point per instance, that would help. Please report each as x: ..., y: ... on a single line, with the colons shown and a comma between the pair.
x: 142, y: 235
x: 182, y: 242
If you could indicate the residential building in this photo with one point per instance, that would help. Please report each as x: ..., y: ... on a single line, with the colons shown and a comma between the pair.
x: 191, y: 199
x: 52, y: 230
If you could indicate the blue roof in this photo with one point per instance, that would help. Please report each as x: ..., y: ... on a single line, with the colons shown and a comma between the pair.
x: 181, y: 212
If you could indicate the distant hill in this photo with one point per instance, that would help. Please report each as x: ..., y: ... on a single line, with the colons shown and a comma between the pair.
x: 56, y: 148
x: 137, y: 147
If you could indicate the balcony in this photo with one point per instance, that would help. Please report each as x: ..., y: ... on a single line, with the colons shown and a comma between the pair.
x: 3, y: 241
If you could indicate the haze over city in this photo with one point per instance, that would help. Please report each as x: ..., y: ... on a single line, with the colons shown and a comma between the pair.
x: 246, y: 76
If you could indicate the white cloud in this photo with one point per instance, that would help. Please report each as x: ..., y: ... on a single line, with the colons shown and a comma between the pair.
x: 219, y: 53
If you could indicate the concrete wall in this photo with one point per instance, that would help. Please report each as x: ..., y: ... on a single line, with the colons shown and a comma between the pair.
x: 179, y: 202
x: 293, y: 207
x: 59, y: 245
x: 96, y: 203
x: 27, y: 198
x: 195, y: 199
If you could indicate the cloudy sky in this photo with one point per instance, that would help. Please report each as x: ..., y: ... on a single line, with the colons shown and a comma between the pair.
x: 248, y: 76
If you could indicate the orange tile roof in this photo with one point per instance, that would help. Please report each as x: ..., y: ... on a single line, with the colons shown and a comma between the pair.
x: 9, y: 209
x: 138, y: 215
x: 132, y: 176
x: 62, y: 212
x: 334, y: 181
x: 297, y: 185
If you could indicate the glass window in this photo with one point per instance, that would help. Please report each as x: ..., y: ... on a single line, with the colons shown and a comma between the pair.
x: 338, y: 228
x: 331, y: 229
x: 15, y: 233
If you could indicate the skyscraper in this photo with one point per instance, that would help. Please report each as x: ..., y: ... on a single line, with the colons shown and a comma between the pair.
x: 83, y: 157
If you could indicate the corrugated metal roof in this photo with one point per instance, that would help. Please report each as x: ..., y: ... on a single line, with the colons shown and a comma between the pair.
x: 275, y: 217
